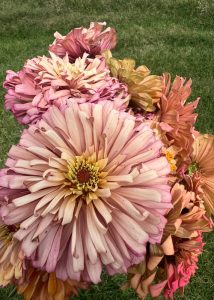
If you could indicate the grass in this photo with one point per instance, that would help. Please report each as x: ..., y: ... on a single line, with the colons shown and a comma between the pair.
x: 173, y: 36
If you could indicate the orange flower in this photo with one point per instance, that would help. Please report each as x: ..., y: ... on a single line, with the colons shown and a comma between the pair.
x: 40, y: 285
x: 187, y: 215
x: 176, y: 118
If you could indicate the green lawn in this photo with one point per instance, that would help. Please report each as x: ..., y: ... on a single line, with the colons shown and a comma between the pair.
x: 169, y: 35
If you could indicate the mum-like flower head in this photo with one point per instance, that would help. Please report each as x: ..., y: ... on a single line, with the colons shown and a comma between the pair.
x: 46, y: 81
x: 145, y: 89
x: 42, y: 285
x: 201, y: 170
x: 80, y: 40
x: 187, y: 216
x: 11, y: 256
x: 97, y: 191
x: 177, y: 118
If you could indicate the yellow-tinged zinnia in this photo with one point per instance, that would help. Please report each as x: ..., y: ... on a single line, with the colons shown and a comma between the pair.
x: 145, y: 89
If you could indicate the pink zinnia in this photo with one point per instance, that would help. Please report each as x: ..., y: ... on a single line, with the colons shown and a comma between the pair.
x: 80, y: 40
x: 46, y: 81
x: 97, y: 191
x: 184, y: 266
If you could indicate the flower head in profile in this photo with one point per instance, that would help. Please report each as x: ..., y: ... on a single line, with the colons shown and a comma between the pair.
x: 11, y: 256
x: 46, y: 81
x: 97, y: 191
x: 182, y: 267
x: 177, y: 118
x: 167, y: 270
x: 82, y: 40
x: 145, y: 89
x: 201, y: 170
x: 42, y: 285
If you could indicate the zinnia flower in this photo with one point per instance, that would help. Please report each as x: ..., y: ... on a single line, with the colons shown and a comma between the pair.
x: 187, y: 216
x: 80, y: 40
x: 145, y: 89
x: 11, y: 256
x: 42, y: 285
x: 46, y: 81
x: 201, y: 170
x: 97, y: 191
x: 183, y: 266
x: 176, y: 118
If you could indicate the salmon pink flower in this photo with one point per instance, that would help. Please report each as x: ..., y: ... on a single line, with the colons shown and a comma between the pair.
x: 82, y: 40
x: 182, y: 267
x: 97, y: 191
x: 177, y: 118
x: 46, y: 81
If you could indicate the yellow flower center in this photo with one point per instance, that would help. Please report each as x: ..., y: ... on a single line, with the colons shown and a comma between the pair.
x: 83, y: 174
x: 170, y: 158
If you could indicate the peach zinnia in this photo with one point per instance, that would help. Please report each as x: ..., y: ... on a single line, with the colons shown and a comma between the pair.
x: 201, y: 170
x: 97, y: 191
x: 177, y: 118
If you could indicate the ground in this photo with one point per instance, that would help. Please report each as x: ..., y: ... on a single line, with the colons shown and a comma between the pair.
x: 173, y: 36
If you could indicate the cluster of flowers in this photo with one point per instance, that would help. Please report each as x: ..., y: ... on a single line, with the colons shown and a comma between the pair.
x: 109, y: 173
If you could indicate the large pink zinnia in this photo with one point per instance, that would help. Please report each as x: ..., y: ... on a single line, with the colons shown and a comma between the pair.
x: 97, y: 190
x: 80, y: 40
x: 46, y: 81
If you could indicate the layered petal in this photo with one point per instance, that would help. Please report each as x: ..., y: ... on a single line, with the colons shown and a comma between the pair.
x: 97, y: 191
x: 177, y: 118
x: 42, y: 285
x: 200, y: 175
x: 12, y: 263
x: 93, y: 41
x: 145, y: 89
x: 46, y: 81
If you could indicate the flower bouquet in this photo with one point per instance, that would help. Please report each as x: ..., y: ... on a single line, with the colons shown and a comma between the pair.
x: 109, y: 174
